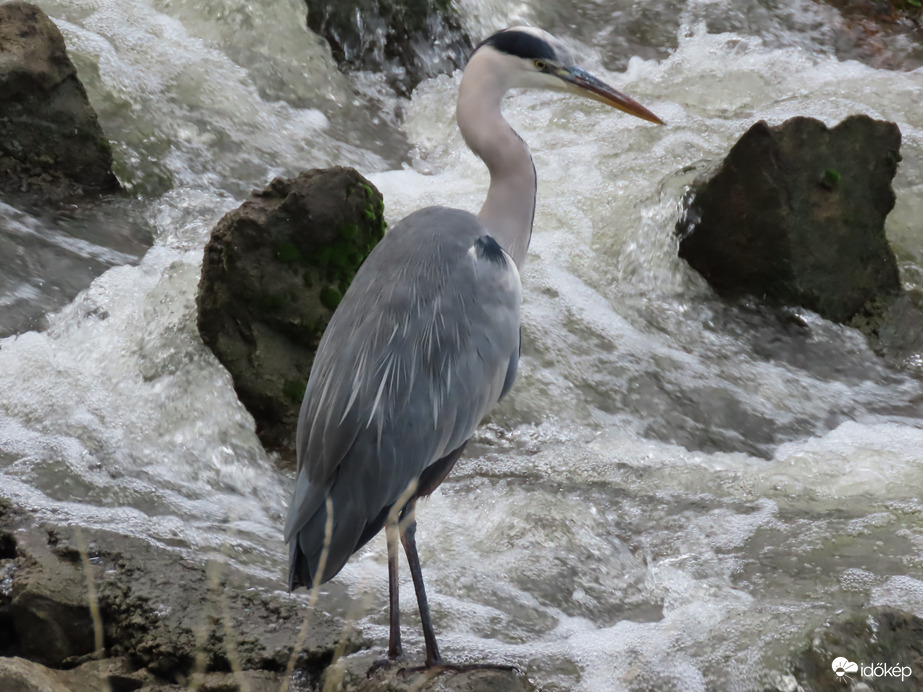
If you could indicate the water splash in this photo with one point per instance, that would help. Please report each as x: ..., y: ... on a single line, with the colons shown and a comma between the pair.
x: 676, y: 490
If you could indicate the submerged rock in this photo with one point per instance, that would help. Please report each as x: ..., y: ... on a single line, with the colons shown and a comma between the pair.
x: 410, y: 41
x: 795, y: 215
x: 51, y: 144
x: 274, y: 271
x: 879, y: 637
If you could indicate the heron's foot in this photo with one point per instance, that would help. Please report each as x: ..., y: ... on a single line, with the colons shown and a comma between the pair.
x: 382, y: 664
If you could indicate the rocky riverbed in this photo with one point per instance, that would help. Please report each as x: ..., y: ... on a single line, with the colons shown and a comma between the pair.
x: 84, y: 609
x: 681, y: 493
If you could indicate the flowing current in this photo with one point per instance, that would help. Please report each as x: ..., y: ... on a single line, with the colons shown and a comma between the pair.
x: 677, y: 492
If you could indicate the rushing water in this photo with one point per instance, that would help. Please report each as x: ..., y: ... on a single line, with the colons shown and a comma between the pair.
x: 677, y: 491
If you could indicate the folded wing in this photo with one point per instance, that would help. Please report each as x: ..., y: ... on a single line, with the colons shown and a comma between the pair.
x: 423, y: 345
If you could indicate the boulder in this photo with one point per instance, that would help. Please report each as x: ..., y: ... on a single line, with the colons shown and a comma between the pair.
x: 51, y: 144
x: 21, y: 675
x: 415, y: 39
x: 50, y: 610
x: 795, y: 216
x: 274, y: 271
x: 172, y: 623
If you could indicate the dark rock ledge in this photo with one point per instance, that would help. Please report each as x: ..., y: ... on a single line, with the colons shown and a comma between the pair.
x: 168, y: 623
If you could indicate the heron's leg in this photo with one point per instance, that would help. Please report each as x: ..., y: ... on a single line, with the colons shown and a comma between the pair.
x: 408, y: 531
x: 392, y: 535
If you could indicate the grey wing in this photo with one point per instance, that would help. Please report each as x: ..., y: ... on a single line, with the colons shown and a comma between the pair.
x: 425, y: 342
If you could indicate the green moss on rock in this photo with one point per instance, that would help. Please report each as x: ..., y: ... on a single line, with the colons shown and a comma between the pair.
x: 275, y: 269
x: 830, y: 178
x: 288, y: 252
x: 349, y: 231
x: 294, y: 390
x: 330, y: 297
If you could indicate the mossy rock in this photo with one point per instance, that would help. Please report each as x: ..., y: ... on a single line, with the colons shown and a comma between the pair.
x: 275, y: 269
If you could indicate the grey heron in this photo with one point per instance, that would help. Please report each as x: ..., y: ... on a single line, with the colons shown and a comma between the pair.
x: 426, y: 339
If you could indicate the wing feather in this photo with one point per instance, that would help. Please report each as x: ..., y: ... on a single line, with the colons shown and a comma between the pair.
x: 423, y: 345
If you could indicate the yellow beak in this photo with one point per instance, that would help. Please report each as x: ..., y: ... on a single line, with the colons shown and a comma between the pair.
x: 581, y: 82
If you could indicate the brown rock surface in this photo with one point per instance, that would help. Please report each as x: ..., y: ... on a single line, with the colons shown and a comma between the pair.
x: 795, y: 216
x: 51, y: 144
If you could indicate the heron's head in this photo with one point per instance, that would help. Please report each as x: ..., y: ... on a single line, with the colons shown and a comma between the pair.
x: 528, y: 57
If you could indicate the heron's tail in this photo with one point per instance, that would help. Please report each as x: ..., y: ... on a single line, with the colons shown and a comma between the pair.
x: 338, y: 527
x: 309, y: 557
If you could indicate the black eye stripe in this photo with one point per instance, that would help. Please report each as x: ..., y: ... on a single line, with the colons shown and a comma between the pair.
x: 521, y: 44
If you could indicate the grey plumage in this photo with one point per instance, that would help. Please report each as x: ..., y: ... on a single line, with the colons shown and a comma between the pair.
x: 424, y: 343
x: 426, y: 339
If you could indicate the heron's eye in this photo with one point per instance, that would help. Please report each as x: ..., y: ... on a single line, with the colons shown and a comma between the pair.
x: 539, y: 64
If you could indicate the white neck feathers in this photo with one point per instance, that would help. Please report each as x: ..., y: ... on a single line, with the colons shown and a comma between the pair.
x: 509, y: 209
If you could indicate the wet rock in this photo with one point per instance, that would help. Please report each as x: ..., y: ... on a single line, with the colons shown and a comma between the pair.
x: 112, y: 674
x: 164, y: 617
x: 894, y: 328
x: 252, y: 680
x: 119, y: 674
x: 211, y: 618
x: 49, y: 609
x: 7, y: 566
x: 795, y: 215
x: 51, y: 144
x: 274, y: 271
x: 171, y: 624
x: 352, y: 674
x: 409, y: 41
x: 881, y: 636
x: 21, y: 675
x: 7, y: 540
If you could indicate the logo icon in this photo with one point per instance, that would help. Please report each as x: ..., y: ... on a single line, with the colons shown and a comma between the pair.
x: 841, y: 666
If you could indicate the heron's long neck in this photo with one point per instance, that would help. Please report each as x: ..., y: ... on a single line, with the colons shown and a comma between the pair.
x: 509, y: 208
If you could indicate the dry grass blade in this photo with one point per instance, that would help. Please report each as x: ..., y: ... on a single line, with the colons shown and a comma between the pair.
x: 312, y: 598
x: 95, y: 616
